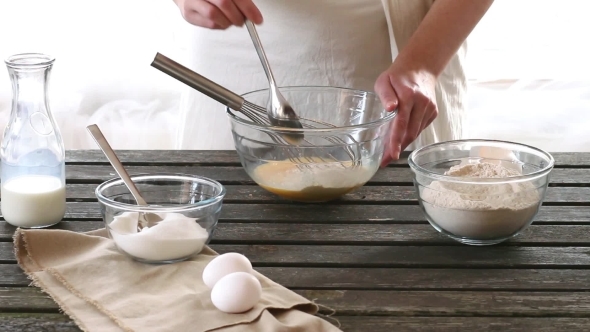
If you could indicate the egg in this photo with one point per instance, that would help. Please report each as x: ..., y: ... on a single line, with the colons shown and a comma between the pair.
x: 236, y: 292
x: 223, y: 265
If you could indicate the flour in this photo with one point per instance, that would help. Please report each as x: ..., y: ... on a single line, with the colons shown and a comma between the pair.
x: 480, y: 211
x: 175, y: 237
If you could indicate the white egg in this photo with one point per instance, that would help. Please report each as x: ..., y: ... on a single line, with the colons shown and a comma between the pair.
x: 223, y: 265
x: 236, y: 292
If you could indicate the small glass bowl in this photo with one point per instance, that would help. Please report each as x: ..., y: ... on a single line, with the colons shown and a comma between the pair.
x: 345, y: 132
x: 189, y: 205
x: 480, y: 211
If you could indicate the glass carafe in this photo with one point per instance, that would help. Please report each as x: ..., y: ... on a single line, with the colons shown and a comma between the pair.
x: 32, y: 150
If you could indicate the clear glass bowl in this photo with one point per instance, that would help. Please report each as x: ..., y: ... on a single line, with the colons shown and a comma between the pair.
x: 189, y: 205
x: 475, y: 210
x: 340, y: 153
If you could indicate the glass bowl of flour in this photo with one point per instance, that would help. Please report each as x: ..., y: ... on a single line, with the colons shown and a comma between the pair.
x: 344, y: 134
x: 480, y: 192
x: 187, y: 207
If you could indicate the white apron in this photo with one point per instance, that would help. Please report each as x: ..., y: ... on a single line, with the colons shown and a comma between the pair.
x: 344, y: 43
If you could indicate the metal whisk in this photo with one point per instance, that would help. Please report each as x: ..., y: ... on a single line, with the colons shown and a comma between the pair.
x: 256, y: 113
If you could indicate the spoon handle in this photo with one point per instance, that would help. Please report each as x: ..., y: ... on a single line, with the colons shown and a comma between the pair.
x: 115, y: 162
x: 261, y: 54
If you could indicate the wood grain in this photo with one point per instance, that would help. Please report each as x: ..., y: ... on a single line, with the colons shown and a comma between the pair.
x: 413, y: 256
x: 380, y: 302
x: 375, y: 234
x: 368, y: 194
x: 383, y: 234
x: 397, y: 278
x: 398, y: 256
x: 33, y: 322
x: 332, y: 213
x: 236, y: 174
x: 223, y: 174
x: 25, y: 299
x: 167, y: 157
x: 443, y: 303
x: 371, y: 255
x: 454, y: 324
x: 380, y: 234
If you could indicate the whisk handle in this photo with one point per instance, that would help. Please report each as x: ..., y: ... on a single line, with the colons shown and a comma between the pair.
x: 198, y: 82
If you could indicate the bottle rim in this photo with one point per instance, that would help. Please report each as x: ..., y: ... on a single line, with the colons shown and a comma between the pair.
x: 29, y: 60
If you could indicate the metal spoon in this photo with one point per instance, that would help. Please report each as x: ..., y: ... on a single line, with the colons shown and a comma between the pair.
x: 280, y: 112
x: 145, y: 219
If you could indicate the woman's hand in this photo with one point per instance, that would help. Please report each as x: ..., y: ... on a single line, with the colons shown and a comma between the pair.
x: 409, y: 82
x: 412, y: 92
x: 219, y: 14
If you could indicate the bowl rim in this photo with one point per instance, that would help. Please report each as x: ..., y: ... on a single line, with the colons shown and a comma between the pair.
x: 160, y: 176
x: 285, y: 130
x: 449, y: 178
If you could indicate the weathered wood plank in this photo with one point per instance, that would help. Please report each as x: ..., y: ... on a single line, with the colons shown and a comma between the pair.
x: 434, y: 279
x: 223, y: 174
x: 321, y: 213
x: 7, y: 230
x: 376, y: 234
x: 565, y: 176
x: 393, y: 269
x: 398, y: 256
x: 386, y: 303
x: 313, y: 213
x: 366, y: 194
x: 375, y: 214
x: 237, y: 175
x: 370, y: 234
x: 414, y: 256
x: 34, y: 322
x: 25, y: 299
x: 11, y: 275
x: 230, y: 157
x: 397, y: 278
x: 391, y: 195
x: 571, y: 158
x: 454, y: 324
x: 256, y: 194
x: 443, y: 303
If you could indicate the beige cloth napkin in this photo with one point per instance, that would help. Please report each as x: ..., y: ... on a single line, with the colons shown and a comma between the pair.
x: 103, y: 290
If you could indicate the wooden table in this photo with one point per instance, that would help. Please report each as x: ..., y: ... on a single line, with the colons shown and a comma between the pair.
x: 371, y: 256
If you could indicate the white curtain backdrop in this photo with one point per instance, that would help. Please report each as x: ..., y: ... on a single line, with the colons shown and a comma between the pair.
x: 530, y: 71
x: 528, y: 66
x: 102, y: 73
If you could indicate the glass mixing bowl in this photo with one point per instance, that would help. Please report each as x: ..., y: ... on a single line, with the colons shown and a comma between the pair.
x: 344, y: 139
x: 189, y: 205
x: 475, y: 210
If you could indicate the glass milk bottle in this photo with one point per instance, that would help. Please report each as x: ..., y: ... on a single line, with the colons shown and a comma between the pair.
x: 32, y: 150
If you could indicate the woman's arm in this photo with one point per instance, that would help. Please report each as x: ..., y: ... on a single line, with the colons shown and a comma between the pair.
x: 441, y: 33
x: 409, y: 83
